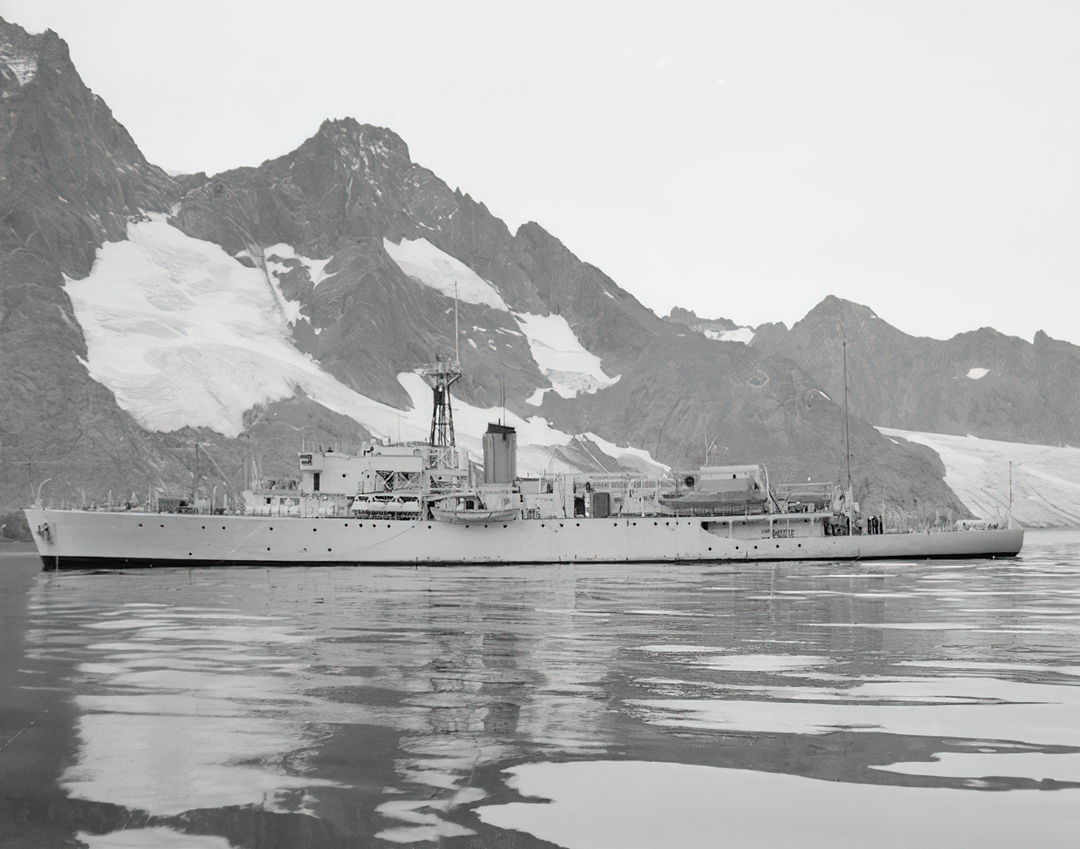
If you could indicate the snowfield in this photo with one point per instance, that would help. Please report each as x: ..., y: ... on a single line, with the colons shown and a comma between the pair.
x: 739, y: 334
x: 184, y: 335
x: 1045, y: 479
x: 422, y: 261
x: 562, y: 359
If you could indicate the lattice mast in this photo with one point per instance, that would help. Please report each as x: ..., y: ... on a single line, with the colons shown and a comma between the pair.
x: 440, y: 376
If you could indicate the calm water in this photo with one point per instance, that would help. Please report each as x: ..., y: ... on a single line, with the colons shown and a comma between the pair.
x: 892, y: 704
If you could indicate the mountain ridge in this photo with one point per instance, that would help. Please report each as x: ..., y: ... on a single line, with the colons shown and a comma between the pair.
x: 978, y: 382
x: 315, y: 223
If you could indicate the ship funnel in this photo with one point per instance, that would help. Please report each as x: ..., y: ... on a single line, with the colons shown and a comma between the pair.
x: 500, y: 454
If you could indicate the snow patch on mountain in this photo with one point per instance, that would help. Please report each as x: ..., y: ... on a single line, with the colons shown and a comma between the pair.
x: 537, y: 398
x: 316, y: 268
x: 1045, y: 479
x: 739, y: 334
x: 184, y: 335
x: 422, y: 261
x: 22, y: 64
x: 273, y: 260
x: 634, y: 458
x: 562, y: 359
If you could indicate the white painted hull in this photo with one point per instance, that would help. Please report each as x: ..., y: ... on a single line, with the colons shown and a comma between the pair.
x: 85, y: 539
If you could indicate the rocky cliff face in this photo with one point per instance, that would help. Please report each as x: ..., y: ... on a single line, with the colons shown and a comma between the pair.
x: 71, y: 179
x: 352, y: 237
x: 713, y: 328
x: 981, y: 383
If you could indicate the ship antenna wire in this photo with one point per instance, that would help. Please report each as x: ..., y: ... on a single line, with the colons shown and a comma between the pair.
x: 457, y: 354
x: 1010, y: 495
x: 847, y: 438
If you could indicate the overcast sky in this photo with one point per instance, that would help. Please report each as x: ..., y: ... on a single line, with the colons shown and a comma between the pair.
x: 741, y: 159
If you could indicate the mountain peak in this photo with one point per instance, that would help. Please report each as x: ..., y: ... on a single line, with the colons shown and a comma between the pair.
x: 833, y: 307
x: 73, y: 176
x: 18, y: 57
x: 348, y: 134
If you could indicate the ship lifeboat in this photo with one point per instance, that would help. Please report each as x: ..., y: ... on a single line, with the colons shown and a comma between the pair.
x: 463, y: 508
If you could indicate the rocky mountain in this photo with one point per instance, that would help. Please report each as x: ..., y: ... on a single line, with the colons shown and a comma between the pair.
x: 722, y: 329
x: 142, y: 315
x: 982, y: 383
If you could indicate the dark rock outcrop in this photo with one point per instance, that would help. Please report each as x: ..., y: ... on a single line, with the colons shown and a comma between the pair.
x: 711, y: 327
x: 982, y: 383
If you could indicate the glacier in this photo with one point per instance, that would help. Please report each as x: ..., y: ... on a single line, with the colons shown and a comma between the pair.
x: 1044, y: 490
x: 185, y: 335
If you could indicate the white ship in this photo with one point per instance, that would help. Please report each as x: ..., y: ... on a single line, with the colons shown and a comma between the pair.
x: 414, y: 504
x: 422, y: 503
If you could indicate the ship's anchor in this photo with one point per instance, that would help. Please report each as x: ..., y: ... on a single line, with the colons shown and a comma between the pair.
x: 45, y: 532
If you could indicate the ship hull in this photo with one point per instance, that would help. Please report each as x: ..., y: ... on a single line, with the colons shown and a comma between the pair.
x: 71, y: 539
